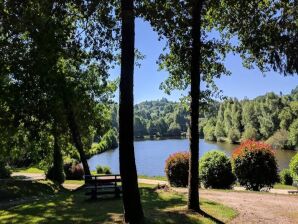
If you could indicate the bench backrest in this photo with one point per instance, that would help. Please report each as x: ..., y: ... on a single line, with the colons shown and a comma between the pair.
x: 102, y: 179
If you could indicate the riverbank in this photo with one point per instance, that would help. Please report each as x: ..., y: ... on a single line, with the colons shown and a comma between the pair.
x: 150, y: 155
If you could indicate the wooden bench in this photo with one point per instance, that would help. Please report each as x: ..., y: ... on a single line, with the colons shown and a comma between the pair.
x: 102, y: 184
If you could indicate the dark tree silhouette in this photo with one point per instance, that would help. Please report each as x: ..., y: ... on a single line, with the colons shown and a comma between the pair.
x: 133, y: 212
x: 193, y: 189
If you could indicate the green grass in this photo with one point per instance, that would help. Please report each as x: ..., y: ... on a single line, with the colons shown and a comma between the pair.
x: 28, y: 170
x: 16, y: 189
x: 283, y: 186
x: 79, y: 182
x: 65, y: 207
x: 153, y: 177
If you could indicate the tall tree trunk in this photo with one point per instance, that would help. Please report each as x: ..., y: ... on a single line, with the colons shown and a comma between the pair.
x: 75, y: 133
x: 193, y: 180
x: 58, y: 172
x: 133, y: 212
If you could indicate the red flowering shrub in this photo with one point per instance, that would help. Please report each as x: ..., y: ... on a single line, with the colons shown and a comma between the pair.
x: 177, y: 166
x: 255, y: 165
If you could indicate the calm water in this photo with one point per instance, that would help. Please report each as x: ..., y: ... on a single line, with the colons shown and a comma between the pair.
x: 152, y: 154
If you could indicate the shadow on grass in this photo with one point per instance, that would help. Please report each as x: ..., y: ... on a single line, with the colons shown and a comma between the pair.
x: 74, y: 207
x: 206, y: 215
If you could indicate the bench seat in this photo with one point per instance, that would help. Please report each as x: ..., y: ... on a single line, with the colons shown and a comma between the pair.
x: 102, y: 184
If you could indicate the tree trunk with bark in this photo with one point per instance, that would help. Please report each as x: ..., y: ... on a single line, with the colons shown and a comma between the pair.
x: 193, y: 180
x: 133, y: 212
x: 58, y: 172
x: 75, y: 133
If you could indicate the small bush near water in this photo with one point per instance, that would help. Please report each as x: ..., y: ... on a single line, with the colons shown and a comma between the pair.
x: 73, y: 170
x: 216, y: 170
x: 286, y: 177
x: 103, y: 170
x: 294, y: 167
x: 255, y: 165
x: 177, y: 166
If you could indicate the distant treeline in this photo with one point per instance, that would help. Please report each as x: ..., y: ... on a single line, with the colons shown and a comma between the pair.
x: 160, y: 118
x: 271, y: 117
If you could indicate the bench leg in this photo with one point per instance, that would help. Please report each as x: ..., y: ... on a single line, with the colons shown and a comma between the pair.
x: 93, y: 194
x: 117, y: 192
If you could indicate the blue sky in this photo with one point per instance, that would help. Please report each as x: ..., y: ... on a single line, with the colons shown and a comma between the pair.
x: 242, y: 83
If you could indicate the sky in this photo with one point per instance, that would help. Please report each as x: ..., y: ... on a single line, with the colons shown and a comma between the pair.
x: 243, y: 82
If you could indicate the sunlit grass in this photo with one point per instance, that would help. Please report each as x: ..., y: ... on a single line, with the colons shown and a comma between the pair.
x: 283, y: 186
x: 28, y: 170
x: 78, y: 182
x: 153, y: 177
x: 74, y: 207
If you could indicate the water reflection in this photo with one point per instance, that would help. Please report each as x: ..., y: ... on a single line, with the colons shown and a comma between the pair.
x: 151, y: 155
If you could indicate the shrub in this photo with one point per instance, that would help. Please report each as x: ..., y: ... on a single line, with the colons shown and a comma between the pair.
x: 107, y: 142
x: 250, y: 133
x: 177, y: 166
x: 73, y: 171
x: 4, y: 171
x: 279, y: 140
x: 255, y: 165
x: 103, y: 170
x: 286, y: 177
x: 293, y: 133
x: 209, y: 130
x: 216, y: 170
x: 234, y: 135
x: 294, y: 167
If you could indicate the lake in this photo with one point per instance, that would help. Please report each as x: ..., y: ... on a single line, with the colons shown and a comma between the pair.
x: 152, y: 154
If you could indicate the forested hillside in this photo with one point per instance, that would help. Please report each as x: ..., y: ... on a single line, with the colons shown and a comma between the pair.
x: 160, y: 118
x: 269, y: 117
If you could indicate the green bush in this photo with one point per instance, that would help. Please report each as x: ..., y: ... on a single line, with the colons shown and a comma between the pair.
x: 279, y: 140
x: 4, y: 171
x: 176, y: 169
x: 107, y: 142
x: 294, y: 167
x: 73, y: 170
x: 216, y: 170
x: 209, y: 130
x: 293, y: 133
x: 103, y: 169
x: 255, y: 165
x: 234, y: 135
x: 286, y: 177
x: 250, y: 133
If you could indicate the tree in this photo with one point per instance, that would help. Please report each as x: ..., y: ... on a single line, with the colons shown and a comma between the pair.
x: 293, y: 133
x: 54, y: 80
x: 133, y: 212
x: 219, y: 128
x: 195, y: 73
x: 209, y: 130
x: 266, y: 32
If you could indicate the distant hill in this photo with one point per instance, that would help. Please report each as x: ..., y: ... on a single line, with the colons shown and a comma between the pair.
x: 231, y: 120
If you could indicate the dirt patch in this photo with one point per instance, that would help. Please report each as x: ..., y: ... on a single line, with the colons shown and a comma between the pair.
x: 255, y: 207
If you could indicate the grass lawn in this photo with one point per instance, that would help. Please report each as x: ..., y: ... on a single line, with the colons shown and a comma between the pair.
x: 74, y: 207
x: 28, y: 170
x: 283, y: 186
x: 153, y: 177
x: 79, y: 182
x: 17, y: 189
